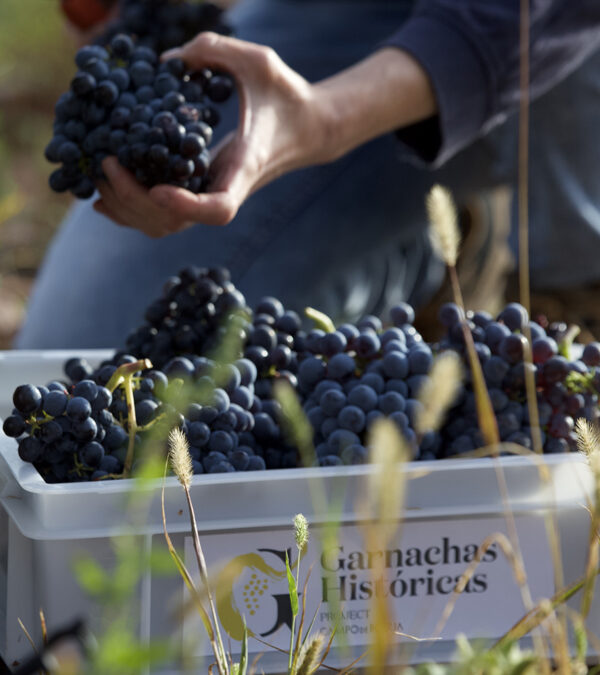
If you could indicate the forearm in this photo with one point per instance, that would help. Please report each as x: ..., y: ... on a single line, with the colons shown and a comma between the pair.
x: 382, y: 93
x: 285, y: 123
x: 472, y: 51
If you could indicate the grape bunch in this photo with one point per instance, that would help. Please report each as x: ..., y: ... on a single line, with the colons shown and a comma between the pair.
x: 68, y: 433
x: 157, y: 118
x: 81, y: 429
x: 97, y: 423
x: 567, y: 389
x: 195, y: 311
x: 358, y: 374
x: 198, y: 310
x: 163, y: 24
x: 228, y: 426
x: 213, y: 404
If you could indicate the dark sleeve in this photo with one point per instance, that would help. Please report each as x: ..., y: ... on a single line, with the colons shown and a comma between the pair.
x: 470, y: 50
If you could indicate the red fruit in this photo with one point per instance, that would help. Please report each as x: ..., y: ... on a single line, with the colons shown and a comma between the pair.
x: 85, y: 14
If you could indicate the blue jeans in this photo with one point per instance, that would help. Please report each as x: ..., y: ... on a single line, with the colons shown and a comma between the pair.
x: 348, y: 238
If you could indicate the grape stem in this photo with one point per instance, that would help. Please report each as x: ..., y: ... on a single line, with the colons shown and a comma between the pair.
x: 126, y: 369
x: 564, y: 348
x: 124, y: 377
x: 320, y: 319
x: 131, y: 424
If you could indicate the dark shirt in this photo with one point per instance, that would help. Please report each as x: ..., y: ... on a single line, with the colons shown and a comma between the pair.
x: 470, y: 50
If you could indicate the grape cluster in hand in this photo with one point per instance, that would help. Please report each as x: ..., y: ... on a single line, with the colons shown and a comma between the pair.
x: 163, y: 24
x: 566, y: 389
x: 157, y: 118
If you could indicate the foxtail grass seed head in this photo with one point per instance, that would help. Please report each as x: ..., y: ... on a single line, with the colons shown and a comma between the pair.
x: 180, y: 458
x: 443, y: 231
x: 300, y: 531
x: 385, y: 484
x: 439, y: 392
x: 588, y: 442
x: 310, y: 657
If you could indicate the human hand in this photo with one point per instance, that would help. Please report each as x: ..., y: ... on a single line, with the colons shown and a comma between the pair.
x: 281, y: 127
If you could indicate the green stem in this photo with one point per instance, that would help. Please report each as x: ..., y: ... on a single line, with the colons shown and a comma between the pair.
x: 126, y: 369
x: 291, y: 650
x: 131, y: 423
x: 293, y: 626
x: 123, y: 377
x: 564, y: 347
x: 220, y: 655
x: 320, y: 319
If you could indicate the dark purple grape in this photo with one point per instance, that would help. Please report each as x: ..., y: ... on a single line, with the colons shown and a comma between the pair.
x: 27, y: 398
x: 367, y: 345
x: 78, y: 409
x: 30, y: 449
x: 512, y: 347
x: 396, y: 365
x: 543, y: 348
x: 555, y: 369
x: 14, y: 425
x: 402, y: 314
x: 514, y: 316
x: 333, y: 343
x: 591, y: 354
x: 449, y: 315
x: 351, y: 417
x: 106, y: 93
x: 561, y: 425
x: 219, y: 88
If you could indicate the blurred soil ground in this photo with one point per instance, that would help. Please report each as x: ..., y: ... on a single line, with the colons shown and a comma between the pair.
x: 35, y: 64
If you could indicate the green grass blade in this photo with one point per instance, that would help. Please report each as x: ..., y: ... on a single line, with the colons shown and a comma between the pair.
x: 292, y: 589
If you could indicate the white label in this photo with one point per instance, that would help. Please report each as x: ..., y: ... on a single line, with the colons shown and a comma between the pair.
x: 421, y: 569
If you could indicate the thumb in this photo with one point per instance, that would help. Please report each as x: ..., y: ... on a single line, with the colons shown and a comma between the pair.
x: 217, y: 51
x: 174, y: 53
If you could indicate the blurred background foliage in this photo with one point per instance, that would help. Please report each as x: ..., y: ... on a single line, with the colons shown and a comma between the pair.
x: 36, y: 52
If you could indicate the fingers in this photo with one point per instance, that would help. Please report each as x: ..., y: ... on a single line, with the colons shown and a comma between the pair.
x: 126, y: 202
x: 161, y: 211
x: 222, y: 52
x: 122, y: 182
x: 210, y: 208
x: 112, y: 207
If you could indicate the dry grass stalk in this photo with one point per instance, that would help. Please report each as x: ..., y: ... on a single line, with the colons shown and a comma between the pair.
x: 309, y: 659
x: 385, y: 488
x: 439, y: 392
x: 381, y: 510
x: 588, y: 442
x: 181, y: 462
x: 509, y: 553
x: 444, y: 233
x: 445, y: 240
x: 179, y: 457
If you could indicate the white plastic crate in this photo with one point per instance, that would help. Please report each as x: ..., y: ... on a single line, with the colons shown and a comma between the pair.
x: 451, y: 505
